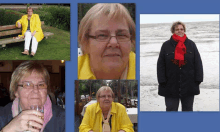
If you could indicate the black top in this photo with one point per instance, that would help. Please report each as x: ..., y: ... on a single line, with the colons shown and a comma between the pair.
x: 175, y: 81
x: 28, y: 28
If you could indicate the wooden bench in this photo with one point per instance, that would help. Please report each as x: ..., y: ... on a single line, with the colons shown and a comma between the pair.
x: 12, y: 29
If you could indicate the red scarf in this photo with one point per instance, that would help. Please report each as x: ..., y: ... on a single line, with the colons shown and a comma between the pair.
x: 180, y: 49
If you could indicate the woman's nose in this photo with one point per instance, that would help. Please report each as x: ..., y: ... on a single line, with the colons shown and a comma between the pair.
x: 35, y: 88
x: 113, y: 42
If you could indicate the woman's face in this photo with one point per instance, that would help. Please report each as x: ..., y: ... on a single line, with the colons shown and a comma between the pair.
x: 30, y: 12
x: 179, y: 30
x: 34, y: 96
x: 107, y: 56
x: 105, y: 99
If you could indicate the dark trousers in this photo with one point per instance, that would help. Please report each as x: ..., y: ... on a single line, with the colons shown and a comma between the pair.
x: 172, y: 104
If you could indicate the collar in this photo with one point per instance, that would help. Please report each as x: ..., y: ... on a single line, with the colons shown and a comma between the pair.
x: 26, y: 16
x: 131, y: 66
x: 174, y: 43
x: 113, y: 108
x: 85, y: 72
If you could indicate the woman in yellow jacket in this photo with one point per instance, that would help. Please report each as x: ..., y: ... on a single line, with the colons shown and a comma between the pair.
x: 105, y: 115
x: 107, y: 40
x: 31, y: 29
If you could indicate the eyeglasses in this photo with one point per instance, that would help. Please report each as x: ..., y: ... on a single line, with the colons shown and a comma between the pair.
x: 123, y: 36
x: 104, y: 96
x: 30, y: 85
x: 179, y: 29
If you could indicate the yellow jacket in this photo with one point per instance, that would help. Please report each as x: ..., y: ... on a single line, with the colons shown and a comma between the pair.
x: 84, y: 69
x: 35, y: 25
x: 92, y: 119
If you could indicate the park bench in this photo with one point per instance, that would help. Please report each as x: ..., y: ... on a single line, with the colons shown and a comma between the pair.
x: 12, y: 29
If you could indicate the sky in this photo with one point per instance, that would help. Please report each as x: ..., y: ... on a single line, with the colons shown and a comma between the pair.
x: 170, y: 18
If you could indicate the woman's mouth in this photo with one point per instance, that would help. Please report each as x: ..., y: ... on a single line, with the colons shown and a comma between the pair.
x: 111, y: 55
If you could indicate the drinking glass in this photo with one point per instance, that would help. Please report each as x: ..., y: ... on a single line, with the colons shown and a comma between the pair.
x: 39, y: 108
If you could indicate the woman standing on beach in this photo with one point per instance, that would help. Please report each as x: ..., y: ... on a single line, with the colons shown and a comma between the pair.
x: 179, y: 70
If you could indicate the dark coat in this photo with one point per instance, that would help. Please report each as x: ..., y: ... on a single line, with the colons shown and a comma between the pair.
x: 175, y: 81
x: 56, y: 123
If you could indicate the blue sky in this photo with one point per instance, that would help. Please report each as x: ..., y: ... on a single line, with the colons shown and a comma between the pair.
x: 170, y: 18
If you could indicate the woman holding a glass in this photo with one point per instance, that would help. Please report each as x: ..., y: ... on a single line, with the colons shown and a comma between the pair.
x: 31, y: 109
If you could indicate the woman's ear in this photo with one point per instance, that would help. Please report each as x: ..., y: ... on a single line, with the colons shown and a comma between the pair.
x: 87, y: 49
x: 84, y: 49
x: 16, y: 94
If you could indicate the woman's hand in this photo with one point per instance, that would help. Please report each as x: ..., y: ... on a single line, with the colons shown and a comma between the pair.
x: 26, y: 120
x: 19, y: 25
x: 32, y: 34
x: 121, y: 131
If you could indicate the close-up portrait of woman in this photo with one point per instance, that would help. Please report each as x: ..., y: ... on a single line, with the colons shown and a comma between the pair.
x: 31, y: 30
x: 107, y: 40
x: 179, y: 70
x: 31, y: 109
x: 106, y: 115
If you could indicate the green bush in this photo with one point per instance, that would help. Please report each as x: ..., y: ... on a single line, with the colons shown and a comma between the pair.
x: 9, y: 17
x: 56, y: 16
x: 23, y: 11
x: 45, y: 16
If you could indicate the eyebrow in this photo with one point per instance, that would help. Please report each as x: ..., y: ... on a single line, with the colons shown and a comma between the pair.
x: 32, y: 82
x: 106, y: 94
x: 105, y: 30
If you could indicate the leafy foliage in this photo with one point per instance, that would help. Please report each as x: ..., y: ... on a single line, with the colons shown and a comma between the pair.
x: 86, y: 85
x: 56, y: 16
x: 9, y: 17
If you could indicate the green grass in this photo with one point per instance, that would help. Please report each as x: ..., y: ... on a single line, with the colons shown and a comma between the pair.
x: 55, y: 47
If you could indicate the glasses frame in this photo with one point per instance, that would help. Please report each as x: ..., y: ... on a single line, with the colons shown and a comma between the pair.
x: 109, y: 38
x: 182, y: 29
x: 104, y: 97
x: 22, y: 85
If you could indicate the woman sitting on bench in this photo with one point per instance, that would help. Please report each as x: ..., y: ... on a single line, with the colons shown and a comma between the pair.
x: 31, y: 29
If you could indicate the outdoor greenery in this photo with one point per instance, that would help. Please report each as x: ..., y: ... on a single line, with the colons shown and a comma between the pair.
x: 87, y: 86
x: 55, y: 16
x: 9, y: 17
x: 56, y: 47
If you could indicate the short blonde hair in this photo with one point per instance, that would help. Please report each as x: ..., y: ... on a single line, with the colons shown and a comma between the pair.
x: 104, y: 88
x: 112, y: 11
x: 29, y: 8
x: 172, y: 29
x: 25, y: 69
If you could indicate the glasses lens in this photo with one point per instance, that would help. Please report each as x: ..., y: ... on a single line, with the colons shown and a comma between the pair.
x: 123, y: 36
x: 42, y: 85
x: 102, y: 36
x: 104, y: 96
x: 27, y: 85
x: 179, y: 29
